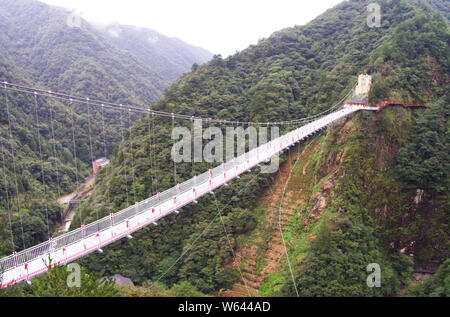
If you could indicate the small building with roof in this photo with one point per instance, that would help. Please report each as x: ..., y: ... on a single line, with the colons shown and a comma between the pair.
x: 99, y: 164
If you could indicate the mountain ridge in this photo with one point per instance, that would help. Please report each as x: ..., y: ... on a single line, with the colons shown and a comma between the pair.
x: 169, y: 56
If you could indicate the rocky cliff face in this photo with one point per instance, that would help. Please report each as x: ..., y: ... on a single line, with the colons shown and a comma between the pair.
x: 408, y: 215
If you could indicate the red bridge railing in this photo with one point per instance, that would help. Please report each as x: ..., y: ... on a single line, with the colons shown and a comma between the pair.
x: 385, y: 104
x: 399, y: 103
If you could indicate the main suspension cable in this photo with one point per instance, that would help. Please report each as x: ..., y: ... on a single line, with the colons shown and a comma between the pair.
x: 145, y: 110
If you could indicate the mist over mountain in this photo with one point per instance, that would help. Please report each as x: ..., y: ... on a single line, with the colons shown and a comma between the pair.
x: 440, y: 6
x: 83, y: 60
x: 169, y: 57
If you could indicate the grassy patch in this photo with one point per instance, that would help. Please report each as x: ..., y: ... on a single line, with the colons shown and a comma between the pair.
x: 272, y: 284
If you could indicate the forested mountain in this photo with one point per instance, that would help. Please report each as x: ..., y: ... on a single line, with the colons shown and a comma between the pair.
x: 374, y: 189
x: 376, y: 168
x: 38, y: 39
x: 40, y: 49
x: 169, y: 57
x: 85, y: 61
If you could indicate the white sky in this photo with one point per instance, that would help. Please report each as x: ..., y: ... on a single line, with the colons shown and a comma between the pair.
x: 220, y: 26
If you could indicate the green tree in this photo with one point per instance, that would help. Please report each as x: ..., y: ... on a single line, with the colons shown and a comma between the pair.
x: 436, y: 286
x: 54, y: 284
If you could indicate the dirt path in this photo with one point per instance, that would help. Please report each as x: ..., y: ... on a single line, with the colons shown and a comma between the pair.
x: 65, y: 199
x: 266, y: 253
x: 69, y: 201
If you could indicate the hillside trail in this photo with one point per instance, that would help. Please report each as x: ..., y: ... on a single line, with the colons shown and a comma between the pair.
x: 265, y: 253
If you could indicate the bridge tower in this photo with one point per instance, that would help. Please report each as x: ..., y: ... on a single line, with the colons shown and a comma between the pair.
x: 363, y: 87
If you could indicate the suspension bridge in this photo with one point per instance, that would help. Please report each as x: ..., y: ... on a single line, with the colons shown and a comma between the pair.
x: 93, y: 237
